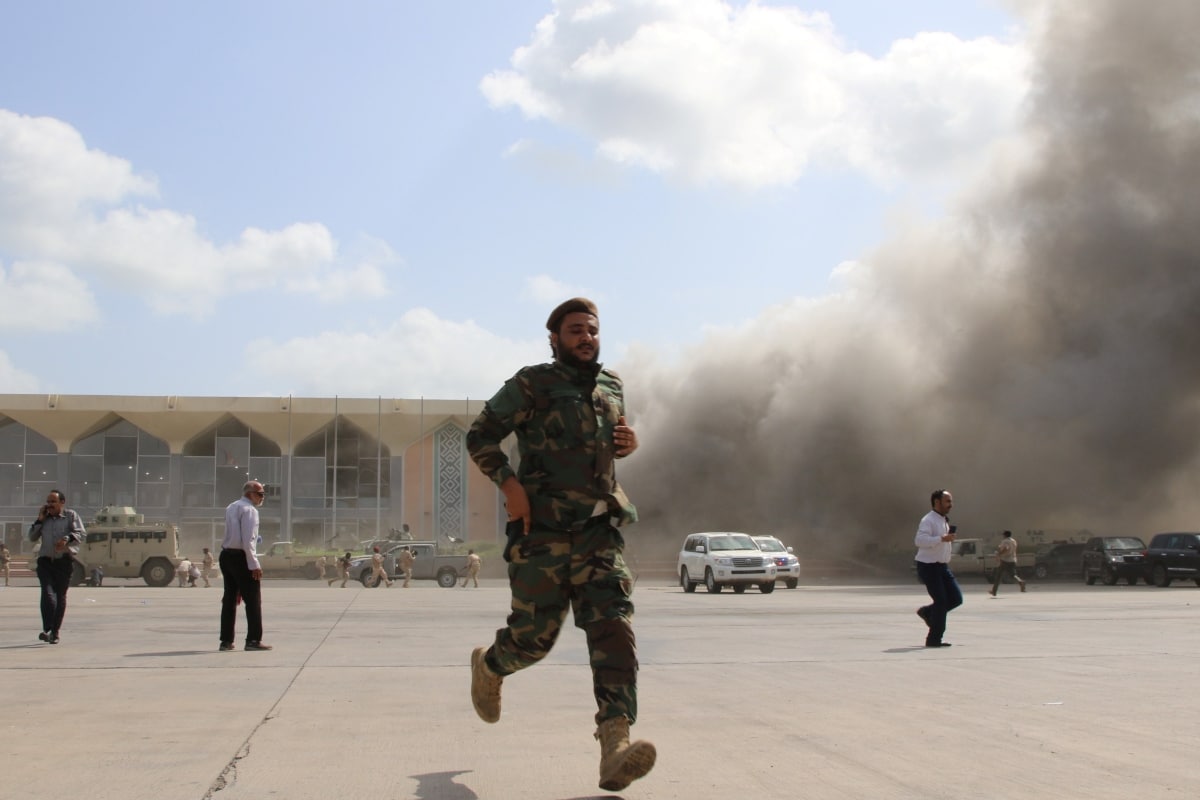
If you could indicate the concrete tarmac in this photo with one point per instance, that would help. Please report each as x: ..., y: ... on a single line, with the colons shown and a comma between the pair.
x: 824, y: 691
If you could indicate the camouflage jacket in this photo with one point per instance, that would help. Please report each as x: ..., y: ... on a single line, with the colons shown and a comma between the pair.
x: 563, y: 418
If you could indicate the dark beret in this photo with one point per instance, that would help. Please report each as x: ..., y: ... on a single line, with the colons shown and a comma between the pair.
x: 570, y: 307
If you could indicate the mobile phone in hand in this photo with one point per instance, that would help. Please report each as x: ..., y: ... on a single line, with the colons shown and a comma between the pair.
x: 954, y: 529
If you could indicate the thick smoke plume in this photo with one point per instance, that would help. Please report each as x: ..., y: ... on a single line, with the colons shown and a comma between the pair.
x: 1035, y: 351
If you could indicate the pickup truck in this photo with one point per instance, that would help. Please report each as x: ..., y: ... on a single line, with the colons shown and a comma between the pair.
x: 281, y: 559
x: 977, y: 557
x: 429, y: 565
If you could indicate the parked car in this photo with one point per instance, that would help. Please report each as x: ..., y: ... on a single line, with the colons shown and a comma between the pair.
x: 1057, y: 560
x: 724, y: 559
x: 1172, y: 556
x: 1111, y: 558
x: 787, y: 566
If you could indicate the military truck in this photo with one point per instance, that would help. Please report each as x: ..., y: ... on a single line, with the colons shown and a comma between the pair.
x: 281, y: 559
x: 430, y: 565
x: 121, y: 543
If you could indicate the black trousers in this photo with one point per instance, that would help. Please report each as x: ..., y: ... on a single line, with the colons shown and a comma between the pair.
x: 943, y: 590
x: 239, y: 583
x: 54, y: 574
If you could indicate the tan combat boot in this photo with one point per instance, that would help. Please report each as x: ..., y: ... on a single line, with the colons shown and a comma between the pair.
x: 622, y: 763
x: 485, y: 687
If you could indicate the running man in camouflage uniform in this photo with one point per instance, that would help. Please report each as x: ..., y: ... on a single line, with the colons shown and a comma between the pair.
x: 568, y: 417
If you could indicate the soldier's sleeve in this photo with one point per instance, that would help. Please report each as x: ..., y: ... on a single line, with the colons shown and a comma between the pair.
x: 499, y: 418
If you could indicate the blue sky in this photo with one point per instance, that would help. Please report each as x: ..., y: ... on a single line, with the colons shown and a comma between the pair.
x: 359, y: 198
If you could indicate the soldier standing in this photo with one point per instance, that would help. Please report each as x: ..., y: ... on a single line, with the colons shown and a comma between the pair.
x: 208, y: 565
x: 569, y: 418
x: 5, y: 558
x: 407, y: 559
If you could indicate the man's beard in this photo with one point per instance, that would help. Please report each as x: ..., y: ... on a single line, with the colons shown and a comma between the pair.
x: 571, y: 360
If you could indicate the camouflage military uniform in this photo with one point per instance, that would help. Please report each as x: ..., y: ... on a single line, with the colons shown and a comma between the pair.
x: 564, y: 417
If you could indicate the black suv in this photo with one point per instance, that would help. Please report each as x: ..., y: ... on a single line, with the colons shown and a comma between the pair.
x: 1171, y: 556
x: 1112, y: 557
x: 1057, y: 560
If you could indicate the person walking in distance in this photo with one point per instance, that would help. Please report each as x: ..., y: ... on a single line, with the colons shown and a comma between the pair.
x: 565, y: 550
x: 343, y: 565
x: 60, y: 530
x: 407, y: 559
x: 5, y: 560
x: 207, y: 568
x: 240, y: 570
x: 1006, y: 563
x: 934, y: 535
x: 474, y: 562
x: 378, y: 573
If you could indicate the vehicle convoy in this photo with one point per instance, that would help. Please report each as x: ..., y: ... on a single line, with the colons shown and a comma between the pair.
x: 724, y: 559
x: 787, y: 566
x: 1173, y: 556
x: 281, y: 559
x: 123, y: 545
x: 429, y: 565
x: 1110, y: 558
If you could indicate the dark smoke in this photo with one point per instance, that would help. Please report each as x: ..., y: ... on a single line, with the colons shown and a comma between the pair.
x: 1035, y: 351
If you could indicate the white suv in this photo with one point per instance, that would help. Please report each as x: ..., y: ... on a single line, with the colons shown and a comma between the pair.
x: 724, y: 559
x: 787, y: 566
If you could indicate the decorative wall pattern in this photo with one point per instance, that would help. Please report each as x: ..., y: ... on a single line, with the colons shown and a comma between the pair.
x: 450, y: 482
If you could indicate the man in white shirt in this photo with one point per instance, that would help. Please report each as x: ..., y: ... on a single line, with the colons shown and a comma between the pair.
x: 240, y: 569
x: 934, y: 535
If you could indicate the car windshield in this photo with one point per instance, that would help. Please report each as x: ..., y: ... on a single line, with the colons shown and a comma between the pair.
x: 732, y: 541
x: 771, y: 546
x: 1124, y: 543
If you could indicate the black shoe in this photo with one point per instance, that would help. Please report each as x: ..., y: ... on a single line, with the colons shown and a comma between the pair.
x: 45, y: 637
x: 53, y: 638
x: 937, y: 644
x: 257, y: 646
x: 923, y: 613
x: 226, y: 646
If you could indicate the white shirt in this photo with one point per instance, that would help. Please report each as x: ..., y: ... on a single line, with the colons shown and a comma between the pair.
x: 930, y: 547
x: 241, y: 530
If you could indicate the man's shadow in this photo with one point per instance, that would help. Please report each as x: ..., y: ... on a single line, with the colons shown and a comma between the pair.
x: 442, y: 786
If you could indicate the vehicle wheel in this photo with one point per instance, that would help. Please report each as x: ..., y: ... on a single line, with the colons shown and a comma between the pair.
x: 1160, y: 576
x: 447, y: 578
x: 311, y: 572
x: 366, y: 580
x: 1110, y: 577
x: 739, y: 588
x: 792, y: 583
x: 77, y: 577
x: 685, y: 581
x: 1041, y: 572
x: 767, y: 588
x: 158, y: 572
x: 1088, y: 577
x: 710, y: 582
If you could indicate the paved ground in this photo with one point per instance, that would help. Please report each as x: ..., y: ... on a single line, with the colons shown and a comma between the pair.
x: 820, y: 692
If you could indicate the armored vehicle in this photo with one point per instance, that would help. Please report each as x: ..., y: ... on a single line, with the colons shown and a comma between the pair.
x: 121, y: 543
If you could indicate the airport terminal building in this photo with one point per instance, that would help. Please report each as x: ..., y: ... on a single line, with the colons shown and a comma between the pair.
x: 338, y: 471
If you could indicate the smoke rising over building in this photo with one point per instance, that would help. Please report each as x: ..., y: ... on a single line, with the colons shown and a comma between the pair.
x: 1034, y: 350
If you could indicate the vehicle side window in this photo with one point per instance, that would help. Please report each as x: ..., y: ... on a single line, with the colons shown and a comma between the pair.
x: 97, y: 537
x: 690, y: 544
x: 968, y: 549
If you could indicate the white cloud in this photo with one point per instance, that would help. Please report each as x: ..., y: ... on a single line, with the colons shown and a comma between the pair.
x: 753, y: 95
x: 418, y: 355
x: 61, y: 203
x: 43, y: 297
x: 15, y: 381
x: 548, y: 291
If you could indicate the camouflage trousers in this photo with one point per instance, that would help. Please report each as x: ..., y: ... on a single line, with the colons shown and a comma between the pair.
x: 550, y: 571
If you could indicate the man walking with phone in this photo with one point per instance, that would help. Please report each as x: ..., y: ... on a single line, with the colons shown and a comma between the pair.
x: 934, y: 535
x: 60, y: 530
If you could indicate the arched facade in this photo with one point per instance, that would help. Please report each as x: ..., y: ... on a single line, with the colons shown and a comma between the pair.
x: 338, y: 471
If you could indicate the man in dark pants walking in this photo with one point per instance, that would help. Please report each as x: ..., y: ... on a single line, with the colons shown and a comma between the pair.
x: 59, y: 529
x: 240, y: 569
x: 934, y: 535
